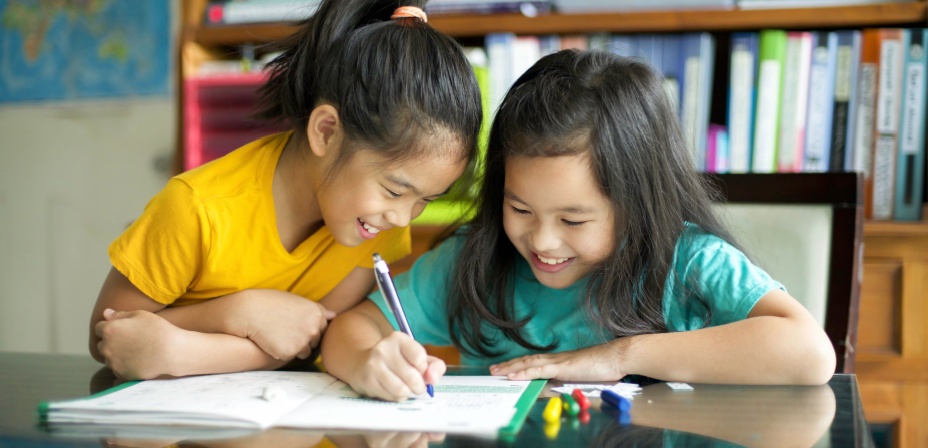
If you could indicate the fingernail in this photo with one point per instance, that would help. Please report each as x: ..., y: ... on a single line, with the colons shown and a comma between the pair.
x: 108, y: 313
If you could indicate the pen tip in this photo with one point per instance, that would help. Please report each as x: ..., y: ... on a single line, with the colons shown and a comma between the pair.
x: 430, y: 390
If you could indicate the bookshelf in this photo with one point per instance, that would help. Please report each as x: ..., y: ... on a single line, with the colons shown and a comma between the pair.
x: 892, y: 356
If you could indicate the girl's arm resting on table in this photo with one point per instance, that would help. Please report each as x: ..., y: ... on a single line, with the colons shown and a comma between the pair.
x: 362, y: 349
x: 779, y: 343
x: 283, y: 324
x: 136, y: 343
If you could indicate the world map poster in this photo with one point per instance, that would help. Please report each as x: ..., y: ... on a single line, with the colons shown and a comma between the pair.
x: 73, y: 49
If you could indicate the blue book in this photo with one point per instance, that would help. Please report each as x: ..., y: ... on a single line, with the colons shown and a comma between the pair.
x: 698, y: 54
x: 741, y: 101
x: 672, y: 68
x: 911, y: 156
x: 821, y: 101
x: 843, y: 120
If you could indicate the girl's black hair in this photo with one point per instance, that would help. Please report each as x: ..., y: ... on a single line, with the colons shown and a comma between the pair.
x: 616, y: 111
x: 391, y: 80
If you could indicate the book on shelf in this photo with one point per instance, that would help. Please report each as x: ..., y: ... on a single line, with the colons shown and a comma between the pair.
x: 741, y: 100
x: 910, y: 171
x: 821, y: 102
x: 237, y: 12
x: 588, y: 6
x: 311, y: 400
x: 771, y: 61
x: 847, y: 66
x: 886, y: 123
x: 794, y: 101
x: 866, y: 111
x: 774, y: 4
x: 528, y: 8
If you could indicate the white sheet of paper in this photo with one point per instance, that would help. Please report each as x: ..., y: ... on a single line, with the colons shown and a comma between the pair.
x: 481, y: 404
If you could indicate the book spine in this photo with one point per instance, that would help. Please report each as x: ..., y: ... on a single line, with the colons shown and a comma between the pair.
x: 741, y: 100
x: 842, y: 108
x: 866, y: 110
x: 772, y: 52
x: 911, y: 156
x: 821, y: 103
x: 794, y: 101
x: 499, y: 63
x: 238, y: 12
x: 887, y: 122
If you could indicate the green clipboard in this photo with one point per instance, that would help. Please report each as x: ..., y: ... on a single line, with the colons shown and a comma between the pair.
x: 523, y: 407
x: 44, y: 406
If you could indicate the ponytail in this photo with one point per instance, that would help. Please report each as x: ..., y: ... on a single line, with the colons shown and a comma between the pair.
x: 388, y: 78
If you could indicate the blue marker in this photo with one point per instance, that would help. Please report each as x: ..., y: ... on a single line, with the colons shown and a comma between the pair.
x: 388, y: 291
x: 619, y: 402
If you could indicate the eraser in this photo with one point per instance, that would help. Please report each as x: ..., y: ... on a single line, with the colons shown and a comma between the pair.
x: 680, y: 387
x: 273, y: 393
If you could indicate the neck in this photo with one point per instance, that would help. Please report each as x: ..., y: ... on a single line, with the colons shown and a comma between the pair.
x: 296, y: 179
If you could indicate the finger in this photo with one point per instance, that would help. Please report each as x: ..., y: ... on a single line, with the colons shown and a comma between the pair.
x: 98, y: 328
x: 415, y: 354
x: 436, y: 436
x: 535, y: 372
x: 303, y: 354
x: 392, y: 388
x: 327, y: 313
x: 435, y: 370
x: 108, y: 313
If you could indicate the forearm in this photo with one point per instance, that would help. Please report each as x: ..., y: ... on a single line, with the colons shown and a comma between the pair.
x: 205, y: 353
x: 226, y: 314
x: 347, y: 341
x: 759, y: 350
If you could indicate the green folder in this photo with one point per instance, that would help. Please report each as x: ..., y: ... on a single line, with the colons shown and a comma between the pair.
x: 523, y: 407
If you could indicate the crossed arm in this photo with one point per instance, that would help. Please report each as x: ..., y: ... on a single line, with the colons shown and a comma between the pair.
x: 254, y: 329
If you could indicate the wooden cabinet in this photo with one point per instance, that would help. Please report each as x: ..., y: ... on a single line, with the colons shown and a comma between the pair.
x: 892, y: 341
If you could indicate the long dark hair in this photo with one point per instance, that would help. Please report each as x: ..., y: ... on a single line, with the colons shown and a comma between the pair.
x: 391, y: 80
x: 615, y: 110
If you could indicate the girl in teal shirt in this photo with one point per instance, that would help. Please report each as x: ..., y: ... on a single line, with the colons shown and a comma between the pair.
x: 594, y: 254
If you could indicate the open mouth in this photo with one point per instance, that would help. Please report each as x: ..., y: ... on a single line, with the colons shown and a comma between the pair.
x: 550, y: 264
x: 367, y: 231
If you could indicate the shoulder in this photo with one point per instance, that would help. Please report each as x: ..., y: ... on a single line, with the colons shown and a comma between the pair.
x: 241, y: 169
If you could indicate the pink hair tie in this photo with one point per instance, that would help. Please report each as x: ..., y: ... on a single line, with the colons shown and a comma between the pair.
x: 409, y: 11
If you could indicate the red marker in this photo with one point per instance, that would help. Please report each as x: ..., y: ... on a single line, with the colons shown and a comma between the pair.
x: 581, y: 399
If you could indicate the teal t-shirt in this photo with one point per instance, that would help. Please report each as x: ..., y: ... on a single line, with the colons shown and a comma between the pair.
x: 721, y: 275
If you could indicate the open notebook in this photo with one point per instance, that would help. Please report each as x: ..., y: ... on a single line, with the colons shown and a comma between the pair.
x: 462, y: 404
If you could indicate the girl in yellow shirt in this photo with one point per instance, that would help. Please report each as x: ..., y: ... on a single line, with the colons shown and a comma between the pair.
x: 240, y: 264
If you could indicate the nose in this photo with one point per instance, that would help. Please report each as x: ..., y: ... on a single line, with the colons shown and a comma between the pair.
x: 544, y: 238
x: 400, y: 216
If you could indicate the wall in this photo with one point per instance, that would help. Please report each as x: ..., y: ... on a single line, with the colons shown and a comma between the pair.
x: 72, y: 176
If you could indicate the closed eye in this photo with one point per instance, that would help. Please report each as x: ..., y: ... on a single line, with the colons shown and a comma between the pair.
x: 519, y: 211
x: 572, y: 223
x: 392, y: 193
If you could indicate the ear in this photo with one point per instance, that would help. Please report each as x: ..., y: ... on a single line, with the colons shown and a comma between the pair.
x: 324, y: 130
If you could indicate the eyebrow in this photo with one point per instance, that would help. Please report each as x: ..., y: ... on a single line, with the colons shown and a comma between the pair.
x: 569, y: 209
x: 405, y: 184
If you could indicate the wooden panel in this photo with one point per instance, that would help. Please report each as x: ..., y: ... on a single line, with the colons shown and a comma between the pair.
x: 904, y: 404
x: 879, y: 331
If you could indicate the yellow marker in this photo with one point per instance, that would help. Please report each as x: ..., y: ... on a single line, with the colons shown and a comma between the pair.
x: 552, y: 412
x: 552, y: 428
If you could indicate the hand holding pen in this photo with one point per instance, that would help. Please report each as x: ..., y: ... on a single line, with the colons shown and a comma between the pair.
x: 388, y: 290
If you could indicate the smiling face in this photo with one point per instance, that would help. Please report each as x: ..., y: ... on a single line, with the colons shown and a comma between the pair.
x: 369, y: 195
x: 556, y: 217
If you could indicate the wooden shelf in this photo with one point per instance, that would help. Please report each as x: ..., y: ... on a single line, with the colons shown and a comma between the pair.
x: 896, y: 228
x: 890, y: 14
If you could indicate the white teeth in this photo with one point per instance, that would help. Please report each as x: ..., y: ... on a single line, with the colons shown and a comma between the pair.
x: 552, y: 261
x: 370, y: 229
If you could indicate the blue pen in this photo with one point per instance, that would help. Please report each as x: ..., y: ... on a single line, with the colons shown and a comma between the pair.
x: 388, y: 291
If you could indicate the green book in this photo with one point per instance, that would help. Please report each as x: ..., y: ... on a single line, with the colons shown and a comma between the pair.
x: 770, y: 74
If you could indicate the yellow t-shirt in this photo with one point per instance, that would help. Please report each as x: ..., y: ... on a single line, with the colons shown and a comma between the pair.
x: 212, y: 231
